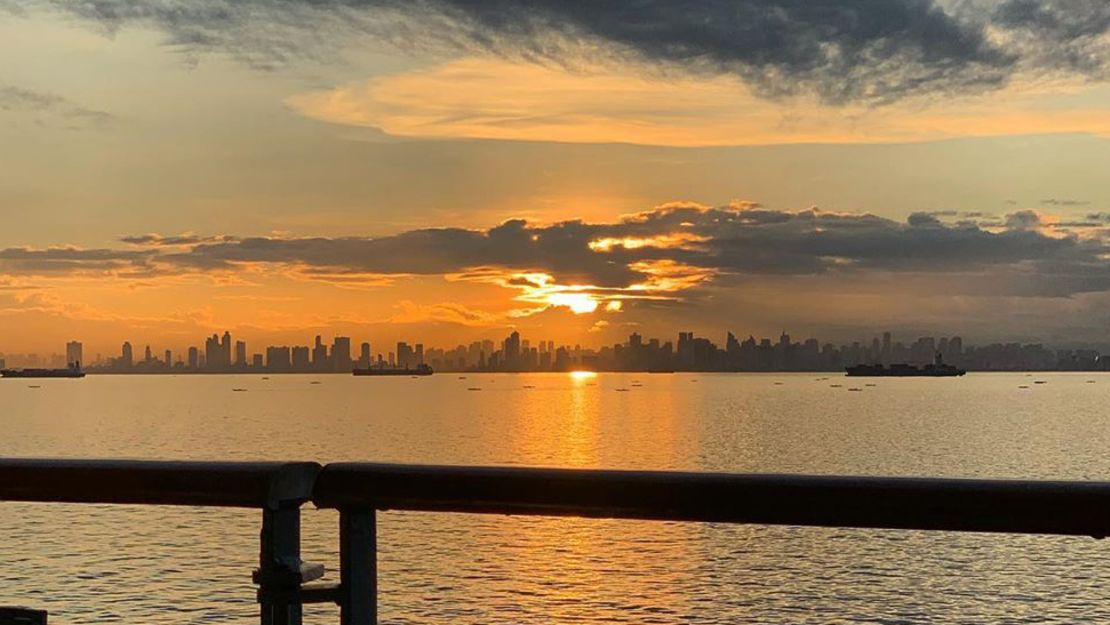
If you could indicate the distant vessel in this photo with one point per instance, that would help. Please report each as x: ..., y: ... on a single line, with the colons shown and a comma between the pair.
x: 419, y: 370
x: 936, y: 370
x: 72, y: 371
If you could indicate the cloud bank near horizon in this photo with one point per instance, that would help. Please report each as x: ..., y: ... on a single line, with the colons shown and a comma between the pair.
x: 665, y: 254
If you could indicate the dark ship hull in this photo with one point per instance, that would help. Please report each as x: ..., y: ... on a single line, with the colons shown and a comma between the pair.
x: 905, y: 371
x: 421, y: 370
x: 42, y: 373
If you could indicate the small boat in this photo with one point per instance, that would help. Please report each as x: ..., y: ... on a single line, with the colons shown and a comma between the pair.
x: 856, y: 389
x: 1039, y: 382
x: 836, y: 386
x: 238, y: 390
x: 622, y: 390
x: 1023, y: 386
x: 473, y: 388
x: 315, y: 382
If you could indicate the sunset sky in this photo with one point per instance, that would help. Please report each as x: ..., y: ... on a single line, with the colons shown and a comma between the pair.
x: 447, y: 170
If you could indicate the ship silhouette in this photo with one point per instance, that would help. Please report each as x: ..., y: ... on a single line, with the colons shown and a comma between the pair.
x: 72, y: 371
x: 421, y: 369
x: 936, y: 370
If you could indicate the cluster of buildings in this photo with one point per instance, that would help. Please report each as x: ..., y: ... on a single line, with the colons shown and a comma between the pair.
x: 221, y: 354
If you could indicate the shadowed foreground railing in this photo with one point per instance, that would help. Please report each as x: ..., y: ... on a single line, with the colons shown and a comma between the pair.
x: 358, y: 491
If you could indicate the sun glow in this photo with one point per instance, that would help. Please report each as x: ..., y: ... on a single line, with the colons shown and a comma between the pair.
x: 582, y: 375
x: 662, y: 241
x: 578, y: 303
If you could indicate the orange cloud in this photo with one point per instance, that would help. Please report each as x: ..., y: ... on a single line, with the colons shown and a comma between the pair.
x: 488, y: 98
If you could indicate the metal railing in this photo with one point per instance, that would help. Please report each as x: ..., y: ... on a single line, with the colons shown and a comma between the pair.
x: 359, y: 490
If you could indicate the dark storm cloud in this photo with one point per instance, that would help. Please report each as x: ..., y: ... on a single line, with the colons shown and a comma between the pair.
x: 842, y: 50
x: 1060, y: 34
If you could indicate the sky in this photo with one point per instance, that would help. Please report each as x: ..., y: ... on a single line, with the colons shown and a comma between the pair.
x: 449, y: 170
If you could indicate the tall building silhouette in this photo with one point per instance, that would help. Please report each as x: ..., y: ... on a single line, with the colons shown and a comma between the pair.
x: 74, y: 354
x: 341, y: 354
x: 320, y: 355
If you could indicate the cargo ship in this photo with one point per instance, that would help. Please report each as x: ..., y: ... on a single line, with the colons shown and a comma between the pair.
x: 382, y: 371
x: 72, y: 371
x: 936, y: 370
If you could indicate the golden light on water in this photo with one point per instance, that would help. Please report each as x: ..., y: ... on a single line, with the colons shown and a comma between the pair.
x: 583, y: 375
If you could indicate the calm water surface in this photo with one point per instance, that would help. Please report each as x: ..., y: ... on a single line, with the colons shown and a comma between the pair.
x: 96, y: 564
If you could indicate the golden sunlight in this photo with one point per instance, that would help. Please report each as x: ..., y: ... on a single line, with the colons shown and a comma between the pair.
x: 578, y: 303
x: 494, y: 98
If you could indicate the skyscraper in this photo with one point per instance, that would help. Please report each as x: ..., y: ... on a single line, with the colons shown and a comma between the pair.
x: 320, y: 355
x: 404, y: 356
x: 341, y: 354
x: 301, y: 360
x: 212, y: 352
x: 511, y: 349
x: 240, y: 353
x: 225, y: 351
x: 74, y: 354
x: 127, y: 357
x: 364, y: 356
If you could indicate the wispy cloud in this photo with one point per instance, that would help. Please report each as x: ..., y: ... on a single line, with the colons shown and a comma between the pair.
x: 493, y: 98
x: 50, y: 108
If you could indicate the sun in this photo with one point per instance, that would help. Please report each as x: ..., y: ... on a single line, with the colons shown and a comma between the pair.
x: 578, y: 303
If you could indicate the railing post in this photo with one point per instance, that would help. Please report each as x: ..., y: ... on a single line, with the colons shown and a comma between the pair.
x: 279, y: 571
x: 358, y: 567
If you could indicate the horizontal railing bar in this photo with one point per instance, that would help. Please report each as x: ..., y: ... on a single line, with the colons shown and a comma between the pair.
x: 224, y: 484
x: 1012, y: 506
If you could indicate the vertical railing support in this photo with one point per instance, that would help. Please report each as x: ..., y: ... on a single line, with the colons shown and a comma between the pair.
x: 279, y: 568
x: 358, y: 567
